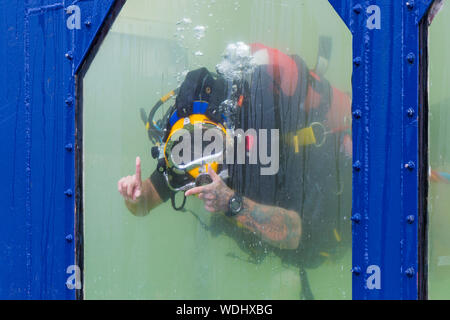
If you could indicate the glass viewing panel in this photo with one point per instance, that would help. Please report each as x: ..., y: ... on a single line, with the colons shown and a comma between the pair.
x: 268, y: 82
x: 439, y: 157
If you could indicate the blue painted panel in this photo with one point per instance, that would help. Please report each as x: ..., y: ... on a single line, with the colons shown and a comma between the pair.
x: 14, y: 263
x: 44, y: 117
x: 93, y: 14
x: 385, y: 142
x: 36, y: 125
x: 422, y: 7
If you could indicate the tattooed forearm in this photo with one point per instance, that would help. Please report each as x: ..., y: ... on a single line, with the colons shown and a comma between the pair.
x: 277, y: 226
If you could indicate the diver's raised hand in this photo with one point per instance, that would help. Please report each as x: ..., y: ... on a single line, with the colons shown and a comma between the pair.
x: 130, y: 187
x: 215, y: 195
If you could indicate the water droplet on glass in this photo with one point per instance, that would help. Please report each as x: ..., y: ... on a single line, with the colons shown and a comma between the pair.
x: 199, y: 32
x: 184, y: 21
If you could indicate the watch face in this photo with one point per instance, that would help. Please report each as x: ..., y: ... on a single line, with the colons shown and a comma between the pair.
x: 235, y: 205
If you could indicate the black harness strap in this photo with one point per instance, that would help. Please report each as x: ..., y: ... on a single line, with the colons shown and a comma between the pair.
x: 306, y: 292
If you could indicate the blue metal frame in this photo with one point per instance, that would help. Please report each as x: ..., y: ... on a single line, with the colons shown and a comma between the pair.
x: 385, y: 145
x: 41, y: 56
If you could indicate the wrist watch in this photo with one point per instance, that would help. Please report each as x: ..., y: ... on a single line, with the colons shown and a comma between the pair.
x: 235, y: 205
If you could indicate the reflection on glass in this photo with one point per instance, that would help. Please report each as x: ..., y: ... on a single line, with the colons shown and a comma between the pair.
x: 245, y: 107
x: 439, y: 136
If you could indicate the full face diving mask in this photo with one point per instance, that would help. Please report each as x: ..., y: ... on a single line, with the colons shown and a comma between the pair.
x: 186, y: 155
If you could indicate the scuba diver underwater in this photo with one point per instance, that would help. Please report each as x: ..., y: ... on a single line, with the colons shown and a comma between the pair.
x: 298, y: 199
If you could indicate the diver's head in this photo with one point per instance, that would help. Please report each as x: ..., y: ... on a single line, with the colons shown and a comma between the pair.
x: 194, y: 145
x: 193, y: 137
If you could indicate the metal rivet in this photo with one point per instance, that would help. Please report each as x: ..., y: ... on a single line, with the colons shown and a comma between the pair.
x: 88, y: 23
x: 69, y: 238
x: 410, y: 272
x: 69, y: 101
x: 410, y: 219
x: 357, y: 114
x: 357, y: 9
x: 356, y: 270
x: 69, y: 55
x: 410, y: 112
x: 411, y: 57
x: 68, y: 192
x: 69, y: 147
x: 357, y: 61
x: 356, y: 218
x: 357, y: 165
x: 410, y: 165
x: 410, y: 4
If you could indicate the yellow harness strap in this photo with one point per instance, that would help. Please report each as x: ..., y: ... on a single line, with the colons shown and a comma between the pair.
x: 304, y: 137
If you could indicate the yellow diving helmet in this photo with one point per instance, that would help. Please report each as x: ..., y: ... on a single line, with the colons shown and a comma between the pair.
x: 198, y: 163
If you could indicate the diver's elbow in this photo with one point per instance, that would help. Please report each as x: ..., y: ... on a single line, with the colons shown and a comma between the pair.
x: 291, y: 240
x: 295, y: 242
x: 296, y: 235
x: 137, y: 211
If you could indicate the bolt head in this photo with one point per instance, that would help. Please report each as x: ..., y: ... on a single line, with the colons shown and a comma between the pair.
x: 410, y: 272
x: 69, y: 147
x: 410, y: 165
x: 357, y: 9
x: 357, y: 61
x: 356, y: 218
x: 69, y: 238
x: 356, y: 270
x: 410, y: 219
x: 69, y: 101
x: 411, y: 57
x: 357, y: 114
x: 410, y: 112
x: 69, y: 55
x: 357, y: 165
x: 410, y: 4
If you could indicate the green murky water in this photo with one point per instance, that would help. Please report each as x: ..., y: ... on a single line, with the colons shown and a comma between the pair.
x: 439, y: 195
x: 168, y: 254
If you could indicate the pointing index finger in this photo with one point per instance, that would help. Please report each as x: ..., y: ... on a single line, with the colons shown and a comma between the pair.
x: 138, y: 169
x: 194, y: 191
x: 213, y: 173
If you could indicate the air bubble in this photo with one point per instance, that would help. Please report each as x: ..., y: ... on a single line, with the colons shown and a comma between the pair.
x: 237, y: 62
x: 184, y: 21
x: 199, y: 32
